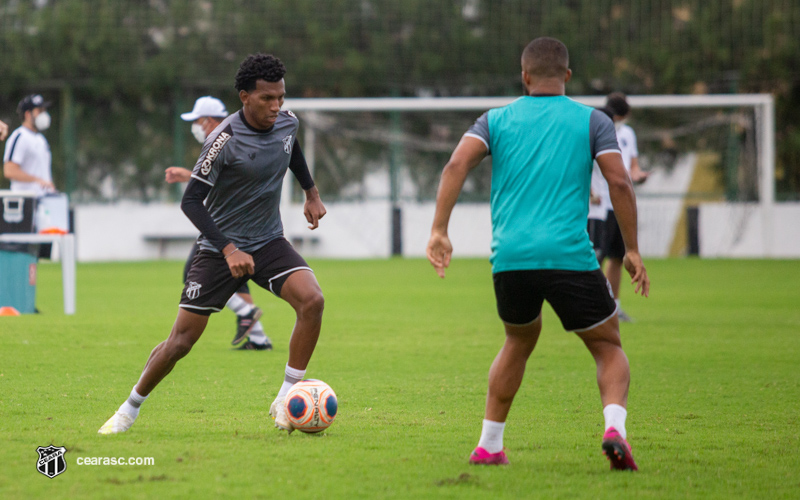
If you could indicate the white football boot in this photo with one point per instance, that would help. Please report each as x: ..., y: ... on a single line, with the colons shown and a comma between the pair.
x: 120, y: 422
x: 277, y: 410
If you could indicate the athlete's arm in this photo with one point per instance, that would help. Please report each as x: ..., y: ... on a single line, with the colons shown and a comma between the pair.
x: 177, y: 174
x: 638, y: 175
x: 467, y: 155
x: 192, y: 205
x: 12, y: 171
x: 313, y: 209
x: 3, y: 130
x: 239, y: 262
x: 299, y: 167
x: 623, y: 199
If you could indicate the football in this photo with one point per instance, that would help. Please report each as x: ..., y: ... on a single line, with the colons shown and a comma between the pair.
x: 311, y: 406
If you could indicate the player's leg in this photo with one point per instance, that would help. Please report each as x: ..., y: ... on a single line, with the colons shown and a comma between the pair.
x: 613, y: 380
x: 207, y: 288
x: 519, y: 305
x: 247, y: 321
x: 188, y: 328
x: 584, y: 303
x: 281, y: 270
x: 615, y: 251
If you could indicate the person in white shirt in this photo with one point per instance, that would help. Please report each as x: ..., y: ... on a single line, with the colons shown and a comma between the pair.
x: 27, y: 159
x: 612, y: 247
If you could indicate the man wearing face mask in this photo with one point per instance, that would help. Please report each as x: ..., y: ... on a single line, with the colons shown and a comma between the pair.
x: 27, y: 159
x: 208, y: 112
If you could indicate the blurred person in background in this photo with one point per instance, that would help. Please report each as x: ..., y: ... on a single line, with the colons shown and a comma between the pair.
x: 27, y: 159
x: 613, y: 248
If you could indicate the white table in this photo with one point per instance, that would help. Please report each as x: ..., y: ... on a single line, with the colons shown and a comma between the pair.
x: 67, y: 247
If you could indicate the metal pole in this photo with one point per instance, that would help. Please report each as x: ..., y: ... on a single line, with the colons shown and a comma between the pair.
x: 68, y: 141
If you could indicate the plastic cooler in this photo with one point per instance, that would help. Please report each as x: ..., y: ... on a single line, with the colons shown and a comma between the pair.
x: 18, y: 261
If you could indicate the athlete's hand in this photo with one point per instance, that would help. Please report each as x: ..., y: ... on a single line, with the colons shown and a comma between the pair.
x: 313, y: 209
x: 240, y: 263
x: 47, y: 185
x: 439, y: 252
x: 635, y: 267
x: 177, y: 174
x: 3, y: 131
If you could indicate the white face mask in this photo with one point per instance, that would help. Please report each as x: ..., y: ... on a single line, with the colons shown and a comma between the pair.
x: 42, y: 121
x: 198, y: 133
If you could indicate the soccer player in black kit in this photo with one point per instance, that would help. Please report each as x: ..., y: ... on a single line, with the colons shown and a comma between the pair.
x: 239, y: 175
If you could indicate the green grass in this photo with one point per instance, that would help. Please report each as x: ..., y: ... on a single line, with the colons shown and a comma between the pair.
x: 714, y: 404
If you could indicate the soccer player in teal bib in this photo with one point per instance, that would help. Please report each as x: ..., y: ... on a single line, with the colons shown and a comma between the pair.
x: 542, y: 148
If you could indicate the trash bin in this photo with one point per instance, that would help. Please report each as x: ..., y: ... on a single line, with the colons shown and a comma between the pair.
x: 18, y: 281
x: 18, y: 261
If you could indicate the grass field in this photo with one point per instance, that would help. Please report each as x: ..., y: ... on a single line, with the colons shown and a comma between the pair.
x: 714, y: 410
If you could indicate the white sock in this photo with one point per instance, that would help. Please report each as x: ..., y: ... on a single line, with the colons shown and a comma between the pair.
x: 258, y: 337
x: 132, y: 404
x: 615, y: 417
x: 492, y: 436
x: 238, y: 305
x: 292, y: 377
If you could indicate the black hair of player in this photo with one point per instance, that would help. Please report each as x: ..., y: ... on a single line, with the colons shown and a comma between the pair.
x: 258, y: 67
x: 608, y: 112
x: 618, y: 103
x: 546, y: 57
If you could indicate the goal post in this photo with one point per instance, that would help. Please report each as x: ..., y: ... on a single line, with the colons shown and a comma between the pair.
x: 386, y: 134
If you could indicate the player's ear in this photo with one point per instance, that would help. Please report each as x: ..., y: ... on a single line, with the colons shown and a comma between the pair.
x: 568, y: 76
x: 526, y: 78
x: 243, y: 95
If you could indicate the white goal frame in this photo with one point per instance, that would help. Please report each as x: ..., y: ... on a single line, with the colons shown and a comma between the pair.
x: 763, y: 104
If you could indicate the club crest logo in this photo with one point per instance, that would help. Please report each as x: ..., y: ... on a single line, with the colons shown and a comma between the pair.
x: 193, y: 290
x: 287, y: 144
x: 290, y: 113
x: 51, y: 460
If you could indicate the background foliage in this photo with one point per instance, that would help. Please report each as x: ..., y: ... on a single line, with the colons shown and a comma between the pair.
x: 130, y: 66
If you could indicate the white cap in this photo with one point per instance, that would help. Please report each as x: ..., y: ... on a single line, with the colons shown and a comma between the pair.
x: 206, y: 106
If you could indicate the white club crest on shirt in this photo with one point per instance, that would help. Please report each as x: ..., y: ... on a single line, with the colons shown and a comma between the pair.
x: 287, y: 144
x: 193, y: 290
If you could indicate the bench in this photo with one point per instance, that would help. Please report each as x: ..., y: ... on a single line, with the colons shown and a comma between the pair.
x: 164, y: 239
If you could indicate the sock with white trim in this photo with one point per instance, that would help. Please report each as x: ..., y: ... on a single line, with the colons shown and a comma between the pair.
x: 132, y: 404
x: 292, y: 377
x: 238, y: 305
x: 492, y: 436
x: 257, y: 335
x: 615, y: 416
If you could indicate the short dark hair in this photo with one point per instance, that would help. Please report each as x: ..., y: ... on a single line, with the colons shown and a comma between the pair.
x: 607, y: 111
x: 618, y: 104
x: 259, y: 67
x: 546, y: 57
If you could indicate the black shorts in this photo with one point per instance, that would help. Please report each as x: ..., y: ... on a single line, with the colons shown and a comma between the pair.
x: 210, y: 283
x: 614, y: 247
x: 242, y: 289
x: 597, y: 231
x: 581, y: 299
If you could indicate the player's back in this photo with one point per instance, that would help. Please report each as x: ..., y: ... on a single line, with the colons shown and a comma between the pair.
x: 542, y: 150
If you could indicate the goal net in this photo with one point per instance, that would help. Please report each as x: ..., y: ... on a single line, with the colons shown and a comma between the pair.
x: 387, y: 154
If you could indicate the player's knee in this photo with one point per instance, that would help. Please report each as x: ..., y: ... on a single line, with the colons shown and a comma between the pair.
x: 179, y: 348
x: 313, y: 304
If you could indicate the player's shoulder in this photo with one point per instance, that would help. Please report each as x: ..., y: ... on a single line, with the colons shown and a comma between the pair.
x: 288, y: 115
